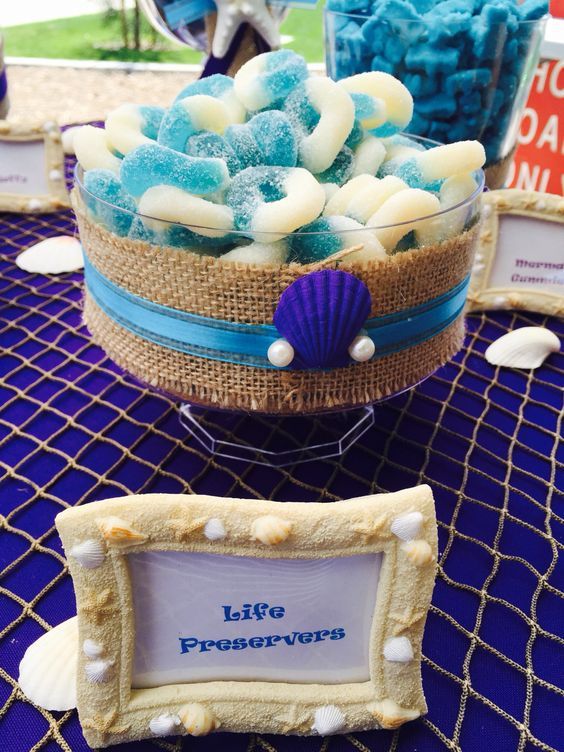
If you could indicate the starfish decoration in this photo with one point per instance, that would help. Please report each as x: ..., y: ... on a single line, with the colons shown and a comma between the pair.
x: 232, y: 13
x: 370, y: 526
x: 183, y: 528
x: 98, y: 605
x: 293, y: 720
x: 408, y: 617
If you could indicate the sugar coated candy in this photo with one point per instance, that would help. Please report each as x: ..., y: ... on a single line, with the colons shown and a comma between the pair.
x: 131, y: 125
x: 93, y: 150
x: 324, y: 113
x: 401, y: 214
x: 326, y: 236
x: 267, y: 79
x: 175, y: 205
x: 153, y: 164
x: 274, y: 254
x: 362, y: 196
x: 220, y: 87
x: 392, y: 102
x: 192, y: 115
x: 108, y: 201
x: 271, y: 202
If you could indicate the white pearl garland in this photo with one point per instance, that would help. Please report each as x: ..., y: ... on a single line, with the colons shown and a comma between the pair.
x: 280, y: 353
x: 362, y: 348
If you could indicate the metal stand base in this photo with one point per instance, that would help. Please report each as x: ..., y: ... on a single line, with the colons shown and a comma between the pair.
x: 272, y: 440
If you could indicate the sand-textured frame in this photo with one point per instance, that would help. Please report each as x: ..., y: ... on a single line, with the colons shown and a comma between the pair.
x: 481, y: 296
x: 54, y: 165
x: 96, y: 538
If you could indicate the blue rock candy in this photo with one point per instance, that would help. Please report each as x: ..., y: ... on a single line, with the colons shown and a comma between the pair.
x: 423, y: 58
x: 275, y: 138
x: 531, y: 10
x: 420, y: 86
x: 440, y: 106
x: 466, y: 80
x: 252, y: 187
x: 213, y: 145
x: 106, y: 186
x: 152, y: 164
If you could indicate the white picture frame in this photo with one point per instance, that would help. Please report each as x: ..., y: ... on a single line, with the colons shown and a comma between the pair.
x: 398, y: 528
x: 32, y: 168
x: 520, y: 254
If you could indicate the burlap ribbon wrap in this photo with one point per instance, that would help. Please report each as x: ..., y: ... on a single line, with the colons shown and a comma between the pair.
x: 228, y: 292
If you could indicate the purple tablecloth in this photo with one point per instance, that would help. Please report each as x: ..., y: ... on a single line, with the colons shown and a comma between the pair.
x: 74, y: 429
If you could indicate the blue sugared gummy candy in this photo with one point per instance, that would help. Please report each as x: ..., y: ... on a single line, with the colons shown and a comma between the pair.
x: 275, y: 138
x: 152, y: 164
x: 213, y: 86
x: 252, y: 187
x: 314, y: 242
x: 213, y: 145
x: 106, y: 186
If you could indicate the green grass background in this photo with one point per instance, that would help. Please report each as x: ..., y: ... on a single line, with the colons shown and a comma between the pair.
x: 97, y: 37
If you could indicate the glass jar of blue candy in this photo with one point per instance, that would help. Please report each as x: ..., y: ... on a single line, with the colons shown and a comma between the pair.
x: 469, y: 64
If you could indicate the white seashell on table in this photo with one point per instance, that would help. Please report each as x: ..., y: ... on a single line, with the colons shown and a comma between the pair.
x: 52, y: 256
x: 328, y: 719
x: 527, y: 347
x: 48, y: 668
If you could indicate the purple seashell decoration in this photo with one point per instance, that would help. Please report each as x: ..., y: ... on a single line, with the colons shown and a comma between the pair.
x: 320, y: 314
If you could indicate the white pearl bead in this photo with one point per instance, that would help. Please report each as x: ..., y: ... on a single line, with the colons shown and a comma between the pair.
x: 280, y: 353
x: 362, y: 349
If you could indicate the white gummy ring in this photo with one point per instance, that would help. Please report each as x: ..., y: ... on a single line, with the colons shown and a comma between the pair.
x: 171, y: 204
x: 336, y: 109
x: 92, y: 149
x: 398, y: 102
x: 124, y: 128
x: 405, y: 207
x: 362, y: 196
x: 302, y: 204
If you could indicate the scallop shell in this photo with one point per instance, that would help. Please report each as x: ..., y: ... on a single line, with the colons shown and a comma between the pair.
x: 118, y: 531
x: 419, y: 552
x: 89, y: 554
x: 92, y: 649
x: 48, y: 668
x: 270, y: 530
x: 164, y: 725
x: 398, y: 650
x: 98, y: 671
x: 407, y: 526
x: 215, y: 529
x: 52, y: 256
x: 197, y: 719
x: 390, y: 715
x: 527, y: 347
x: 320, y: 314
x: 328, y: 719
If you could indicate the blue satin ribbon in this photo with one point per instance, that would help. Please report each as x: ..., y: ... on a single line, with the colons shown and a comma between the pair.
x: 247, y: 344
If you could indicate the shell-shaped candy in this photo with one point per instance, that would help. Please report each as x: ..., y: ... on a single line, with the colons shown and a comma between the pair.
x: 419, y: 552
x: 407, y: 526
x: 89, y: 554
x: 98, y: 671
x: 215, y: 529
x: 398, y: 650
x: 320, y: 315
x: 527, y: 347
x: 270, y: 530
x: 328, y: 719
x: 48, y: 668
x: 92, y: 649
x: 164, y: 725
x: 120, y: 532
x: 197, y: 719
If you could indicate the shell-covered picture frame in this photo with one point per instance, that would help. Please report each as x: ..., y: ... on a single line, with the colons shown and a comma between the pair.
x: 198, y: 614
x: 32, y: 168
x: 520, y: 254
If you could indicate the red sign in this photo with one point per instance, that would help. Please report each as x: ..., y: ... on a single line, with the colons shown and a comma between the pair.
x: 539, y: 161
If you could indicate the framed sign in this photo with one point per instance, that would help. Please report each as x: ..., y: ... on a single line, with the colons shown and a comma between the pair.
x: 520, y: 257
x: 198, y: 613
x: 32, y: 169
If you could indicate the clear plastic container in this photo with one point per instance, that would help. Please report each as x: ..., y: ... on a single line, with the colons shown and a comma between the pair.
x: 469, y: 79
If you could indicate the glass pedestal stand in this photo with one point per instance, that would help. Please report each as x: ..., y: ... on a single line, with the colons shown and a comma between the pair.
x: 274, y: 440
